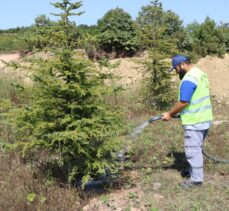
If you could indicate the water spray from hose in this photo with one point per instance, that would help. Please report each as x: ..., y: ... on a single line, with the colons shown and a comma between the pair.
x: 138, y: 130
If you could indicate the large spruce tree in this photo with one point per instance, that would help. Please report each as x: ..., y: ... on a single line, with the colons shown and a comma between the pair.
x: 67, y: 114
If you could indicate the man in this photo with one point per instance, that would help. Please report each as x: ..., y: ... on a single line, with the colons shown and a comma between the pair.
x: 194, y: 106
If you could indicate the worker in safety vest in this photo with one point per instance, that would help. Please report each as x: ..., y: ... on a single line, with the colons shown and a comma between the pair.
x: 194, y: 106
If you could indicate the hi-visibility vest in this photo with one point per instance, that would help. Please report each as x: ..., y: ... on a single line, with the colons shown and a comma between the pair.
x: 200, y: 108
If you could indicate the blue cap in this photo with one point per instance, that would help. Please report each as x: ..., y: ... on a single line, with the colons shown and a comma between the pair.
x: 176, y: 60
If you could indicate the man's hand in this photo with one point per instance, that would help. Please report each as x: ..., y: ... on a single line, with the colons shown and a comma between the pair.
x: 166, y: 116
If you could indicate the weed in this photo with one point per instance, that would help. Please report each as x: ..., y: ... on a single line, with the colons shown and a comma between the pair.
x: 105, y: 199
x: 132, y: 195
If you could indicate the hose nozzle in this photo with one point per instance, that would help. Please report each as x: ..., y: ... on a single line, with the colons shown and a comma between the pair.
x: 155, y: 118
x: 159, y: 117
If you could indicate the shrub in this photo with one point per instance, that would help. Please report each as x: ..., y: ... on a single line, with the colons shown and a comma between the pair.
x: 117, y: 33
x: 206, y: 38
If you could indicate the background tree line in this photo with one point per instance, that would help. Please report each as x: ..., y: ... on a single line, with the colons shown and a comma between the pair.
x: 117, y: 34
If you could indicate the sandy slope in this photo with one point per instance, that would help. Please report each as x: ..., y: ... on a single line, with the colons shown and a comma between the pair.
x: 9, y: 72
x: 9, y: 57
x: 218, y: 73
x: 216, y: 68
x: 131, y: 71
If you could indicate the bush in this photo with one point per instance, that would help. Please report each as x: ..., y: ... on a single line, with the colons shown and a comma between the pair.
x: 224, y: 30
x: 117, y: 33
x: 12, y: 42
x: 205, y: 39
x: 46, y: 34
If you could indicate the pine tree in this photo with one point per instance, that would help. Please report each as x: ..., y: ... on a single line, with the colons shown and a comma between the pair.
x: 206, y: 38
x: 67, y: 8
x: 224, y: 31
x: 152, y: 16
x: 159, y: 86
x: 51, y: 34
x: 67, y: 114
x: 40, y: 35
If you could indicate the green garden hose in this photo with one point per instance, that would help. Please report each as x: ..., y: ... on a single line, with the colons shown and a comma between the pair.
x: 211, y: 157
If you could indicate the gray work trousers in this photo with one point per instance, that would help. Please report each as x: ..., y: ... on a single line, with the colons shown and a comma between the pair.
x: 193, y: 143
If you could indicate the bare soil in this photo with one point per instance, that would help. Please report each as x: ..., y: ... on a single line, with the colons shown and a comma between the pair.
x: 9, y: 57
x: 218, y: 73
x: 131, y: 70
x: 10, y: 72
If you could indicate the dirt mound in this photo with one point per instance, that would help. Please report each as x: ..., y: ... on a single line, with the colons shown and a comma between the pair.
x: 9, y: 57
x: 131, y: 70
x: 19, y: 73
x: 218, y: 73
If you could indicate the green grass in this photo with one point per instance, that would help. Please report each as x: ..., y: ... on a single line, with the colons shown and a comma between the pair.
x: 150, y: 182
x: 157, y: 159
x: 24, y: 187
x: 6, y: 88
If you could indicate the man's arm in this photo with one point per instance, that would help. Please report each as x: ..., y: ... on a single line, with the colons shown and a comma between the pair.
x: 175, y: 110
x: 178, y: 108
x: 186, y: 91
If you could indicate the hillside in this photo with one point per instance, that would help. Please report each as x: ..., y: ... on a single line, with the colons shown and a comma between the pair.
x: 158, y: 157
x: 131, y: 70
x: 218, y: 73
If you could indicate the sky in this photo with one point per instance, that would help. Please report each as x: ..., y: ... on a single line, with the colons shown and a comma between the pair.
x: 14, y: 13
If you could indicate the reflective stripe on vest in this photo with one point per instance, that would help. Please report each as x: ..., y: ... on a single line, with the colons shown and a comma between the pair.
x: 199, y: 108
x: 199, y: 100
